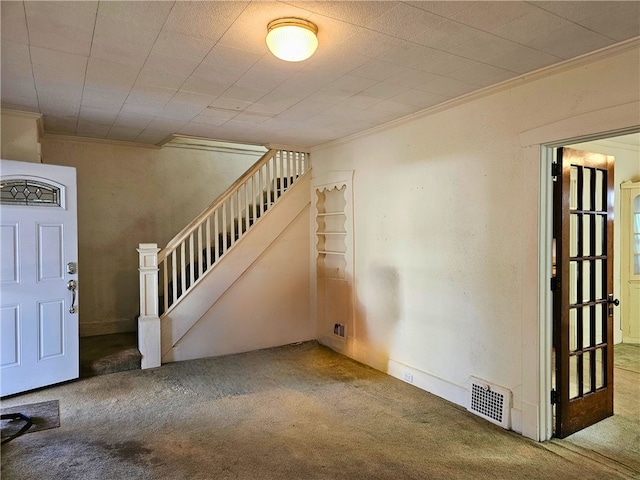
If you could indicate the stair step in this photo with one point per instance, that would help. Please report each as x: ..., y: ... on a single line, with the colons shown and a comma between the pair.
x: 104, y: 354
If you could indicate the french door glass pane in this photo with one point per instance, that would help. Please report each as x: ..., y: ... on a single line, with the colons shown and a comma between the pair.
x: 573, y: 286
x: 586, y: 235
x: 586, y: 189
x: 600, y: 188
x: 573, y: 329
x: 601, y: 319
x: 600, y: 226
x: 586, y: 327
x: 600, y: 286
x: 586, y: 284
x: 573, y: 238
x: 600, y: 368
x: 573, y: 376
x: 573, y: 189
x: 586, y: 372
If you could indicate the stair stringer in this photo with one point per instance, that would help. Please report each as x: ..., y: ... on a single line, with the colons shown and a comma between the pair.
x: 224, y: 273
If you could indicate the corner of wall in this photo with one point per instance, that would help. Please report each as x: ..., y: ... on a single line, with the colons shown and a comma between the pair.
x: 20, y: 139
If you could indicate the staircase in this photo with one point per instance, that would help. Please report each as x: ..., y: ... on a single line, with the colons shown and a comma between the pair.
x: 199, y: 264
x: 173, y: 295
x: 112, y: 353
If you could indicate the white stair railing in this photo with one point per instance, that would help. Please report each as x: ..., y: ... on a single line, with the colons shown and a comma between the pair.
x: 193, y: 251
x: 167, y: 275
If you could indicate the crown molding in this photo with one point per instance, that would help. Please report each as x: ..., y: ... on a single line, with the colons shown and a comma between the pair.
x: 21, y: 113
x: 102, y: 141
x: 24, y: 114
x: 212, y: 145
x: 291, y: 148
x: 606, y: 52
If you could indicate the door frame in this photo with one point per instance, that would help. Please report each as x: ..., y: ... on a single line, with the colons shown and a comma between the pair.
x: 547, y: 154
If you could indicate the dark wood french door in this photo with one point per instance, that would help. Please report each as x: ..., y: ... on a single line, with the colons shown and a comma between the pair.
x: 582, y: 298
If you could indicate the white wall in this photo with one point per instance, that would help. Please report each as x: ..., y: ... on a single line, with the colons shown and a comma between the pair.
x: 627, y: 168
x: 129, y: 195
x: 447, y: 216
x: 20, y: 134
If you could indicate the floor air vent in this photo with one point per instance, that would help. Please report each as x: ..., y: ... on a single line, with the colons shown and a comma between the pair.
x: 490, y: 402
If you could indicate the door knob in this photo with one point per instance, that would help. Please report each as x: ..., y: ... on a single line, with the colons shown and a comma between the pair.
x: 612, y: 302
x: 72, y: 285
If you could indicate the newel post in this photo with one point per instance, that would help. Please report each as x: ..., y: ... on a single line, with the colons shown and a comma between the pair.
x: 149, y: 321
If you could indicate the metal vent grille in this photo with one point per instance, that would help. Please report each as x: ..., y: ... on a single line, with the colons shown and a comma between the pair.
x: 490, y: 402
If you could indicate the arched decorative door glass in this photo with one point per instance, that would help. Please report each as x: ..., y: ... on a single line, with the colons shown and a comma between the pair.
x: 28, y: 192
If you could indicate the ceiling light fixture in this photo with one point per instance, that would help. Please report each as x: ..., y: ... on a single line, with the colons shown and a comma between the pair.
x: 292, y: 39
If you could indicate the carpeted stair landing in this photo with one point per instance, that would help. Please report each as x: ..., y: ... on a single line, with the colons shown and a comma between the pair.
x: 104, y: 354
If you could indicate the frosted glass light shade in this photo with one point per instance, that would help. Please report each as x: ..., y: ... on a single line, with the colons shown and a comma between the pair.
x: 292, y: 39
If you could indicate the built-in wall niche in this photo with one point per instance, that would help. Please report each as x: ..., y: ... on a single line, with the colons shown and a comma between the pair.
x: 333, y: 237
x: 331, y: 233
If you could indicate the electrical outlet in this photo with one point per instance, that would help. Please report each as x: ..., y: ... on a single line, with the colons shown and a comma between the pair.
x: 408, y: 377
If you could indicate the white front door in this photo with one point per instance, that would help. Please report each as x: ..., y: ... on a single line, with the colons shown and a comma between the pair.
x: 39, y: 315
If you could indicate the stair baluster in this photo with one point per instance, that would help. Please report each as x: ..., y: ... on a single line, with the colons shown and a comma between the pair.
x: 217, y: 229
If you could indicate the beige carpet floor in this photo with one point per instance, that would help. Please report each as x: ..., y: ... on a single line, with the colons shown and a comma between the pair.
x: 296, y: 412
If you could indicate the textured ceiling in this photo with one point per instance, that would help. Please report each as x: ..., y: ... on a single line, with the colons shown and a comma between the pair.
x: 140, y: 71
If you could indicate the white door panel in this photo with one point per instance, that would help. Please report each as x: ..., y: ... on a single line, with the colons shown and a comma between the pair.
x: 9, y: 254
x: 10, y: 328
x: 39, y: 333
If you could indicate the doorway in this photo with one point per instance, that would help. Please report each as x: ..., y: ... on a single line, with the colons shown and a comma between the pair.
x: 614, y: 437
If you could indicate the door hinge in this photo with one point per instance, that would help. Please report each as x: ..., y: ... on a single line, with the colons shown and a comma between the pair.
x: 554, y: 396
x: 555, y: 170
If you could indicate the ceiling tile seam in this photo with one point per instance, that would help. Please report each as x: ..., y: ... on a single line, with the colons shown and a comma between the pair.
x: 487, y: 32
x: 352, y: 24
x: 574, y: 22
x: 86, y: 68
x: 33, y: 75
x: 465, y: 25
x: 221, y: 95
x: 572, y: 63
x: 297, y: 5
x: 139, y: 71
x: 196, y: 67
x: 234, y: 83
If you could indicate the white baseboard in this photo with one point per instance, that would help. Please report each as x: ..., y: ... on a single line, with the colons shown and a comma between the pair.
x: 425, y: 381
x: 123, y: 325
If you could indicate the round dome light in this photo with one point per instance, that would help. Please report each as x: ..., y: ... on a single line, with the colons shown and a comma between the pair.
x: 292, y: 39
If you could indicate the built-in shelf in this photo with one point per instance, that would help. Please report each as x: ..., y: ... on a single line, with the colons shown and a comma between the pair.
x: 334, y: 259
